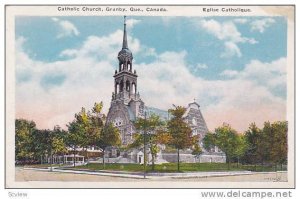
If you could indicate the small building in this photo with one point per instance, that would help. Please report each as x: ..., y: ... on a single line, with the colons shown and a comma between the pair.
x: 66, y: 159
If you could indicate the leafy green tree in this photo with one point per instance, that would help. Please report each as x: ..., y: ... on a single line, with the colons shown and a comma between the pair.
x: 241, y: 148
x: 180, y: 132
x: 197, y: 151
x: 265, y: 144
x: 58, y: 141
x: 209, y: 141
x: 109, y: 136
x: 97, y: 120
x: 278, y: 154
x: 226, y: 139
x: 252, y: 136
x: 49, y: 142
x: 153, y: 136
x: 102, y: 135
x: 77, y: 135
x: 24, y: 130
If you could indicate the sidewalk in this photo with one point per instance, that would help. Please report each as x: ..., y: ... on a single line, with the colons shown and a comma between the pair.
x: 140, y: 175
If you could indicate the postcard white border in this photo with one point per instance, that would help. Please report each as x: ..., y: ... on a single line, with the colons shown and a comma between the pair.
x: 173, y: 10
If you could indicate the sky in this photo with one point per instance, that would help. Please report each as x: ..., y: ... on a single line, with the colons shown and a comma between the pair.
x: 233, y: 67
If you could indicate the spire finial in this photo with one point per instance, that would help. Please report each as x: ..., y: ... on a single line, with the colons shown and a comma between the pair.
x: 125, y: 45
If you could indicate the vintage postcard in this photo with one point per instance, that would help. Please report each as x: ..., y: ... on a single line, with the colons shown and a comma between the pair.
x: 180, y: 96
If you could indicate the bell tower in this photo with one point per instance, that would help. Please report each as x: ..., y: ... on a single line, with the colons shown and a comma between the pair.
x: 126, y: 105
x: 125, y: 78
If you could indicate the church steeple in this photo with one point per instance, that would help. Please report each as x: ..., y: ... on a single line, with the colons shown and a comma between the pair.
x: 125, y: 55
x: 125, y: 77
x: 125, y: 45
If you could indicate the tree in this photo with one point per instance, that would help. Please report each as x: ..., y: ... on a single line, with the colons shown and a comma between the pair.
x: 264, y: 143
x: 180, y: 133
x: 209, y: 141
x: 197, y: 151
x: 252, y: 136
x: 241, y: 147
x: 226, y: 139
x: 153, y: 136
x: 278, y: 153
x: 58, y: 141
x: 100, y: 134
x: 77, y: 132
x: 24, y: 130
x: 51, y: 142
x: 109, y: 136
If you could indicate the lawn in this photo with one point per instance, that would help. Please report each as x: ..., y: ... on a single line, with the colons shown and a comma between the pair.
x: 172, y: 167
x: 42, y: 166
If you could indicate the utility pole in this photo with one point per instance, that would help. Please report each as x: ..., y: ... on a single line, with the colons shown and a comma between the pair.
x: 145, y: 145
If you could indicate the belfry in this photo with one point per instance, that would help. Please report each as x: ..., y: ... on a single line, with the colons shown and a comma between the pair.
x: 126, y: 104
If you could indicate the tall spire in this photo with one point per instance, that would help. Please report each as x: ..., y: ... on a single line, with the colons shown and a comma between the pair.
x: 125, y: 45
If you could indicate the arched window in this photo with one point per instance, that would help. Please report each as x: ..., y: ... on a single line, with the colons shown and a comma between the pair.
x: 117, y: 88
x: 127, y: 86
x: 129, y: 67
x: 133, y: 88
x: 121, y: 86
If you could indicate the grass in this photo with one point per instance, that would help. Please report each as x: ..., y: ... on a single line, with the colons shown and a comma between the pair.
x: 171, y: 167
x: 42, y: 165
x: 167, y: 167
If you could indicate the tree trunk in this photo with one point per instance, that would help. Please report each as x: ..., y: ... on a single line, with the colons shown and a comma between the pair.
x: 103, y: 158
x: 74, y: 160
x: 228, y: 164
x: 178, y: 160
x: 87, y: 155
x: 51, y: 160
x: 153, y: 162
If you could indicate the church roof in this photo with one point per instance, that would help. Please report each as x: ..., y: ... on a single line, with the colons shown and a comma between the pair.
x: 163, y: 114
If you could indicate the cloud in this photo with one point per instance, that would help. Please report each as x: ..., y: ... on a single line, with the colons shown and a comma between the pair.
x: 132, y: 22
x: 198, y: 68
x: 229, y: 73
x: 229, y: 34
x: 261, y: 24
x: 271, y: 75
x: 66, y: 28
x: 102, y: 47
x: 223, y: 31
x: 201, y: 66
x: 240, y: 20
x: 45, y: 91
x: 50, y: 93
x: 231, y: 49
x: 239, y: 101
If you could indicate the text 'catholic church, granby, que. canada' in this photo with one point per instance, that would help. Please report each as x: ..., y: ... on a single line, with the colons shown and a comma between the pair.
x: 127, y: 105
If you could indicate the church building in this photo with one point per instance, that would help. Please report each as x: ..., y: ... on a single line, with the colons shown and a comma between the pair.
x: 126, y: 106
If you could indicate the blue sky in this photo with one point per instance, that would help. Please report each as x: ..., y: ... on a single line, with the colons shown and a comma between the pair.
x: 177, y: 59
